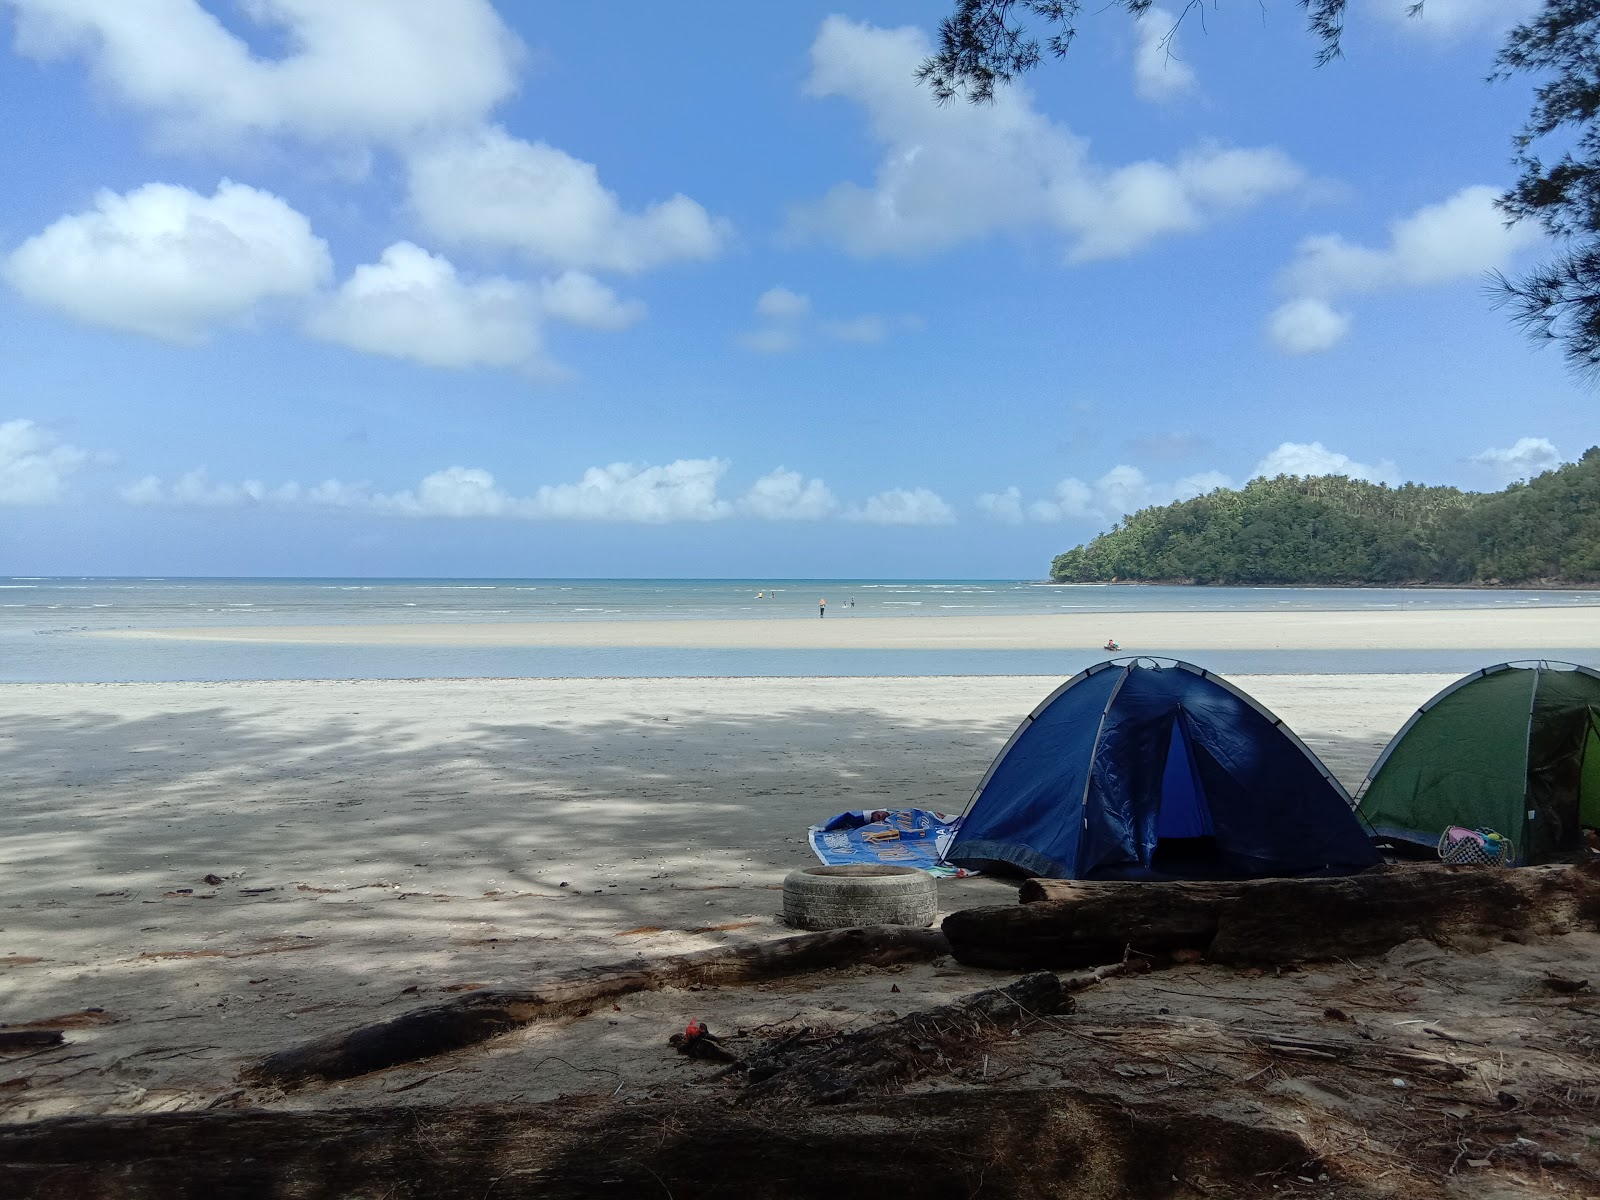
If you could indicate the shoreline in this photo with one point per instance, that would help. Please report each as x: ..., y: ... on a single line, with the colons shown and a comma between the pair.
x: 1557, y: 627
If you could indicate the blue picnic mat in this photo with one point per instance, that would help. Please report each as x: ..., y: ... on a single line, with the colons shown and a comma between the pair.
x: 908, y: 837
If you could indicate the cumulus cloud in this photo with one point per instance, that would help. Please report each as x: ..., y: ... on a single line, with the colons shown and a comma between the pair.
x: 489, y: 188
x: 1158, y: 73
x: 686, y: 490
x: 1313, y: 458
x: 167, y: 262
x: 1125, y: 489
x: 412, y: 304
x: 582, y: 299
x: 955, y: 173
x: 356, y: 70
x: 197, y: 490
x: 1307, y: 326
x: 1522, y: 459
x: 415, y: 305
x: 1003, y: 508
x: 904, y: 506
x: 782, y: 304
x: 786, y: 495
x: 790, y: 324
x: 1460, y: 238
x: 35, y: 465
x: 1120, y: 491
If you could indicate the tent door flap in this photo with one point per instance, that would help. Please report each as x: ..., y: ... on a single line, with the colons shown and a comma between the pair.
x: 1184, y: 812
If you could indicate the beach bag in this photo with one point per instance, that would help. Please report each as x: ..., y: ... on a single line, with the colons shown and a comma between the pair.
x: 1461, y: 847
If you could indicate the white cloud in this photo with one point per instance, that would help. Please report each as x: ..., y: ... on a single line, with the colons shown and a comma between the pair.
x: 904, y: 506
x: 489, y: 188
x: 1125, y: 489
x: 1120, y: 491
x: 412, y: 304
x: 1459, y: 239
x: 680, y: 491
x: 356, y: 70
x: 1158, y: 73
x: 685, y: 490
x: 583, y: 300
x: 785, y: 495
x: 1003, y: 508
x: 1313, y: 458
x: 197, y: 490
x: 791, y: 323
x: 1522, y: 459
x: 35, y: 465
x: 1307, y: 326
x: 1449, y: 19
x: 166, y: 261
x: 959, y: 172
x: 782, y: 304
x: 453, y: 492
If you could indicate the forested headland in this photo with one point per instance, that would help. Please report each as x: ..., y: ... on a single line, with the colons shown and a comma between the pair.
x: 1331, y: 529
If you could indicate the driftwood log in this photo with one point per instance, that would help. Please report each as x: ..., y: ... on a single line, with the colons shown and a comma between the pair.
x: 1072, y: 923
x: 895, y: 1052
x: 478, y: 1016
x: 998, y: 1143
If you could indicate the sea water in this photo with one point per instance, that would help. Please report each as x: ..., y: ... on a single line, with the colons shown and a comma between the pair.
x: 42, y: 623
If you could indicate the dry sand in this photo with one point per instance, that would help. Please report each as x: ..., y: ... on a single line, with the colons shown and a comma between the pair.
x: 389, y: 844
x: 380, y: 836
x: 1533, y: 628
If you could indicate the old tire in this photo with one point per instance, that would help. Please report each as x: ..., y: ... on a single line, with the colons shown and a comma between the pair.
x: 839, y: 897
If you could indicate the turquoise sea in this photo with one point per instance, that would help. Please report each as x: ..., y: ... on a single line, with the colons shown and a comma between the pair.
x: 42, y: 620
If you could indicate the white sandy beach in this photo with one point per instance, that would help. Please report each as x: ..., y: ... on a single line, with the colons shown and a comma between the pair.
x: 378, y: 837
x: 1532, y: 628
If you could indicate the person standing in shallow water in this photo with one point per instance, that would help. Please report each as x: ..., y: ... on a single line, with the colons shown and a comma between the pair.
x: 822, y: 608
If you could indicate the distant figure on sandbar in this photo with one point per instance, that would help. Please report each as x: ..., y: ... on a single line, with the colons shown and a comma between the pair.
x: 822, y: 608
x: 1111, y: 644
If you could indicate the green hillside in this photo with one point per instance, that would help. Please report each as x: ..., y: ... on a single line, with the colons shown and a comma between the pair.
x: 1334, y: 530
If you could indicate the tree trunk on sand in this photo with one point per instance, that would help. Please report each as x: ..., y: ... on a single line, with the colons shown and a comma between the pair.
x: 1072, y: 923
x: 1003, y: 1144
x: 477, y: 1016
x: 897, y: 1051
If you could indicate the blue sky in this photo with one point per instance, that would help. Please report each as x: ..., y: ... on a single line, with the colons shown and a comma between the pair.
x: 440, y: 287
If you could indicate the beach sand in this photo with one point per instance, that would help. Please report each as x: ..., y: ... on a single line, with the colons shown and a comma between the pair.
x: 383, y: 841
x: 1532, y: 628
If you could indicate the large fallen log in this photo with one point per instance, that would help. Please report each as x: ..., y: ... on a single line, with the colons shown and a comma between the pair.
x: 1072, y: 923
x: 894, y: 1052
x: 1002, y: 1144
x: 478, y: 1016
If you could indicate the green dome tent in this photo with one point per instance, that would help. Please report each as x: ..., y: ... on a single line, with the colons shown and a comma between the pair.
x: 1514, y: 748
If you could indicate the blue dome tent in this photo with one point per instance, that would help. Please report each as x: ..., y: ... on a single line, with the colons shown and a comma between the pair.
x: 1136, y: 769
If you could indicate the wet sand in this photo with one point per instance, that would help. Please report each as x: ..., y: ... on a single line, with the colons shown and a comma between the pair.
x: 1529, y: 629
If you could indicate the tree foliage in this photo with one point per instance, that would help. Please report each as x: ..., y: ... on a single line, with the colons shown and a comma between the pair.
x: 1334, y: 530
x: 1561, y: 299
x: 984, y: 44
